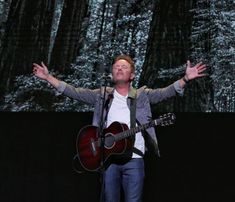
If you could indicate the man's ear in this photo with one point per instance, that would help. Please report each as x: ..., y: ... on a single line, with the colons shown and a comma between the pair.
x: 132, y: 76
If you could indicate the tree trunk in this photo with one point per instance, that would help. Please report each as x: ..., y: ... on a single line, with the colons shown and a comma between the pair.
x: 26, y: 39
x: 168, y: 41
x: 65, y: 48
x: 97, y: 67
x: 168, y: 48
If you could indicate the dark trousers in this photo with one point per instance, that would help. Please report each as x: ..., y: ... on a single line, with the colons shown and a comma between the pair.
x: 129, y: 176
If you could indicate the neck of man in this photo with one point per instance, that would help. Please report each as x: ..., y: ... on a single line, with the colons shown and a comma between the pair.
x: 122, y: 88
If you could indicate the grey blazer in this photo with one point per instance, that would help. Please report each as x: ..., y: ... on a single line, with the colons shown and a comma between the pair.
x: 144, y: 97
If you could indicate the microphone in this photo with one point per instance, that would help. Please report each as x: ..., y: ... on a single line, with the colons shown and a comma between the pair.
x: 107, y: 77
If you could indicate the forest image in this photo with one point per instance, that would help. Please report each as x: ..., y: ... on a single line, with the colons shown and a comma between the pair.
x: 78, y: 40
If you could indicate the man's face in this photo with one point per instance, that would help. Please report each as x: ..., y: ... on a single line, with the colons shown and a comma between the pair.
x: 122, y: 72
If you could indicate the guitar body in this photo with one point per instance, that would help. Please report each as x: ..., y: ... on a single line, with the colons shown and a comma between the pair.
x: 89, y: 145
x: 117, y: 141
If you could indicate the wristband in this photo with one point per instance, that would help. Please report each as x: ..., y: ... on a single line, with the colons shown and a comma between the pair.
x: 185, y: 80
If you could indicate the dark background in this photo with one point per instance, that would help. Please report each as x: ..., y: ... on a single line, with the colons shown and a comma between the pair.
x: 37, y: 150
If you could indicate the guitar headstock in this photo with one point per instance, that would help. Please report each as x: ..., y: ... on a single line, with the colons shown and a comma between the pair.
x: 166, y: 119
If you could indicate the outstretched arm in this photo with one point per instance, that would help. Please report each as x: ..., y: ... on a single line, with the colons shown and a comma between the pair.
x: 192, y: 72
x: 41, y: 71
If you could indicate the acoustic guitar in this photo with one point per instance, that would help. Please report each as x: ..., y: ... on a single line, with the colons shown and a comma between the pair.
x: 116, y: 141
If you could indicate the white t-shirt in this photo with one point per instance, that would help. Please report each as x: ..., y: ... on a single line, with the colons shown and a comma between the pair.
x: 120, y: 112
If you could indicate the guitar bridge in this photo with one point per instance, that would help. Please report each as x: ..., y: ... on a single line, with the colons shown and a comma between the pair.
x: 93, y: 147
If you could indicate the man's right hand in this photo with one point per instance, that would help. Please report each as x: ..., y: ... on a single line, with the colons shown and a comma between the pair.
x: 40, y: 71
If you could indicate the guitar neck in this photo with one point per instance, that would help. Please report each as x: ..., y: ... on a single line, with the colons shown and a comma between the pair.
x: 133, y: 131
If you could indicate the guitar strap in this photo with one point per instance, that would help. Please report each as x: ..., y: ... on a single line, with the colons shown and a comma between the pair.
x: 134, y: 121
x: 133, y: 110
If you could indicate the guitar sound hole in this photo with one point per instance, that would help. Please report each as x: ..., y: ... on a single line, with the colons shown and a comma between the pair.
x: 109, y: 140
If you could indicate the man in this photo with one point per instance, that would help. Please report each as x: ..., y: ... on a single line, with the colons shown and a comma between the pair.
x: 123, y: 102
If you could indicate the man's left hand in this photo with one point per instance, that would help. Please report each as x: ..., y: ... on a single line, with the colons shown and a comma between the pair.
x: 195, y: 71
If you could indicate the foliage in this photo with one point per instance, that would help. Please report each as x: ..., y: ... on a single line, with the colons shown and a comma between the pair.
x: 32, y: 94
x: 213, y: 43
x: 122, y: 27
x: 223, y: 55
x: 110, y: 33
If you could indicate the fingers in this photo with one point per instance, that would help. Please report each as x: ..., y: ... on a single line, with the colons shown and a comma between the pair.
x: 36, y: 65
x: 36, y: 68
x: 35, y: 71
x: 201, y: 69
x: 188, y: 63
x: 40, y: 66
x: 43, y: 65
x: 201, y: 75
x: 198, y: 65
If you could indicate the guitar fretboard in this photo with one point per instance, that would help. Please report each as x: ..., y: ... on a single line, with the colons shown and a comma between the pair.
x: 135, y: 130
x: 164, y: 120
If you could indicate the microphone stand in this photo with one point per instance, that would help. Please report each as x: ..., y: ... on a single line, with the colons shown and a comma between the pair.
x: 102, y: 137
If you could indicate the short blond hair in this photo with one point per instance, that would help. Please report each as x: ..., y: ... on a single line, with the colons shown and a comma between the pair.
x: 127, y: 58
